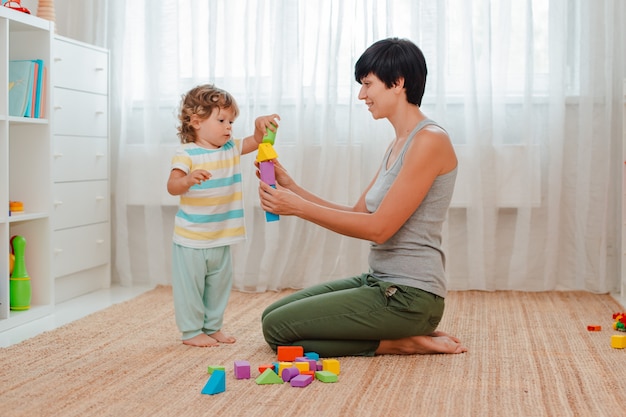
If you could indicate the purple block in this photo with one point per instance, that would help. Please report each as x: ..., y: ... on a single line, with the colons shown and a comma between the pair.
x: 242, y: 370
x: 290, y: 373
x: 301, y: 380
x: 266, y: 169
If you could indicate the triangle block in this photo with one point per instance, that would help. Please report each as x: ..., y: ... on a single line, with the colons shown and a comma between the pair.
x: 268, y: 377
x: 216, y: 383
x: 266, y: 152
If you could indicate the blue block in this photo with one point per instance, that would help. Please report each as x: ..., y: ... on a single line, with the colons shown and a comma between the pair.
x: 216, y: 383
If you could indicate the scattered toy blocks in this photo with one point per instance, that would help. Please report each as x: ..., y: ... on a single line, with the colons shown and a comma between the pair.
x: 618, y: 341
x: 289, y: 353
x: 594, y: 328
x: 216, y: 383
x: 301, y: 381
x: 268, y: 377
x: 242, y: 369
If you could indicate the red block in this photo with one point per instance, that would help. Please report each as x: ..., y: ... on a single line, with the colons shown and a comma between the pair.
x: 289, y: 353
x: 594, y: 328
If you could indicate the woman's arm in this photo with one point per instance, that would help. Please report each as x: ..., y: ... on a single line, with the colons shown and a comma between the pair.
x: 429, y: 155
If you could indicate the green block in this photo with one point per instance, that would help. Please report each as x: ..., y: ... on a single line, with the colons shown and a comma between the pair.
x: 269, y: 136
x: 212, y: 368
x: 326, y: 376
x: 268, y: 377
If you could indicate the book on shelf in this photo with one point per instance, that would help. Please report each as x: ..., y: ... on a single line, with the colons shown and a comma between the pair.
x: 27, y: 88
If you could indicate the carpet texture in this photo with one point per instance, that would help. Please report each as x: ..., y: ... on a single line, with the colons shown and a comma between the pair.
x: 530, y: 354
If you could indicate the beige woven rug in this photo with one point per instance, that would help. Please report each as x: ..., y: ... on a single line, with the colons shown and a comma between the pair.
x: 530, y: 355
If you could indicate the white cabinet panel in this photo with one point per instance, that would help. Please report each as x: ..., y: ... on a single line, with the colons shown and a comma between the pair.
x: 80, y: 114
x: 79, y: 158
x: 80, y: 203
x: 93, y: 74
x: 80, y: 248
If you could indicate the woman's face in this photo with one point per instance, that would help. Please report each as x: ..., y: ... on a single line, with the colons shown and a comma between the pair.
x: 378, y: 98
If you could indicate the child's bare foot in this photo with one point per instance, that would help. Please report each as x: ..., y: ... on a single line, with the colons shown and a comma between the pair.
x: 222, y: 338
x: 202, y: 340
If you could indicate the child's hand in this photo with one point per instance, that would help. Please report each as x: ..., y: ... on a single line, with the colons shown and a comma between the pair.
x: 264, y: 122
x: 197, y: 177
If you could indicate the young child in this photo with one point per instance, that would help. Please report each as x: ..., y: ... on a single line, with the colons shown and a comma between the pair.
x: 206, y: 174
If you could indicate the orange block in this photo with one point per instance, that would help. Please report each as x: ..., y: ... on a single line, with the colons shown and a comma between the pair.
x: 594, y: 328
x: 289, y: 353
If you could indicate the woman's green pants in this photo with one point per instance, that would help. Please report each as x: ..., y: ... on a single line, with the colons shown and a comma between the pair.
x: 350, y: 317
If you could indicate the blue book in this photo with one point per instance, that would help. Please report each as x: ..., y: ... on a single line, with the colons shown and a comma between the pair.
x: 38, y: 87
x: 20, y: 86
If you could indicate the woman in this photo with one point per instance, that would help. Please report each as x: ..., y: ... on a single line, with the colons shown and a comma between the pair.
x: 396, y: 306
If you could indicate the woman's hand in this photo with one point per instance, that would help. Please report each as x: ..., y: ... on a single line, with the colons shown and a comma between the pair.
x: 278, y: 200
x: 282, y: 176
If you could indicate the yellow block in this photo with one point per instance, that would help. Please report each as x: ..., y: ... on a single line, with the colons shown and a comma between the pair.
x: 302, y: 366
x: 331, y: 365
x: 618, y: 341
x: 266, y: 152
x: 283, y: 365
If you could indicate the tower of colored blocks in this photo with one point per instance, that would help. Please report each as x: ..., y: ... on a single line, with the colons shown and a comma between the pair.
x: 265, y: 157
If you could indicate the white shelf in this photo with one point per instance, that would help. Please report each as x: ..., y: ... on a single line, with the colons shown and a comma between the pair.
x: 25, y: 170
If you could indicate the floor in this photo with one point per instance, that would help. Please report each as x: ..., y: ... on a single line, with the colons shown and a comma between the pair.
x: 79, y: 307
x: 71, y: 310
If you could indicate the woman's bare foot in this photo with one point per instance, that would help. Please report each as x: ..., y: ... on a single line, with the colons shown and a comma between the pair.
x: 202, y: 340
x: 436, y: 342
x: 222, y: 338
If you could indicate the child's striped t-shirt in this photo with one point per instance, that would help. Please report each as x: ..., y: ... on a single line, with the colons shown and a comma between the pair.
x: 210, y: 214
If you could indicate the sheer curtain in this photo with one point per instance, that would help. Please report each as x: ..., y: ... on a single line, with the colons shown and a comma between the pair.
x: 530, y: 91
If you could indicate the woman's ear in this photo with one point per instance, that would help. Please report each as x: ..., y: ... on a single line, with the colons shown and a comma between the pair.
x: 398, y: 85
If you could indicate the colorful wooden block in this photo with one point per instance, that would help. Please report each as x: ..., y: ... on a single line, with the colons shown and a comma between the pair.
x: 265, y: 366
x: 289, y: 353
x: 242, y: 369
x: 618, y: 341
x: 312, y: 355
x: 331, y: 365
x: 301, y: 381
x: 289, y: 373
x: 326, y: 376
x: 302, y: 366
x: 212, y: 368
x: 594, y: 328
x: 268, y: 377
x: 216, y: 383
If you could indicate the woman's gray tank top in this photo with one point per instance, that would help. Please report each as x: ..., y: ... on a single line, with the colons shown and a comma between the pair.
x: 413, y: 256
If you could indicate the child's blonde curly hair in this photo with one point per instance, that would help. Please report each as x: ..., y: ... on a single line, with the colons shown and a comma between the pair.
x: 201, y: 101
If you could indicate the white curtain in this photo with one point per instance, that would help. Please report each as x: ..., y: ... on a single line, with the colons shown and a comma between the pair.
x: 530, y: 91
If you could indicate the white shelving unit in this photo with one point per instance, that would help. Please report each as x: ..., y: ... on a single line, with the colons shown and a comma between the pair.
x: 622, y: 294
x: 25, y: 170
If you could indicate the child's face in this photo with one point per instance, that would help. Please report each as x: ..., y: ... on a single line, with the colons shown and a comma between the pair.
x: 214, y: 131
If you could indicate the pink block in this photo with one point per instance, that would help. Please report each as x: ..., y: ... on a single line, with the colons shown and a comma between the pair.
x: 301, y: 380
x: 266, y: 169
x: 242, y: 370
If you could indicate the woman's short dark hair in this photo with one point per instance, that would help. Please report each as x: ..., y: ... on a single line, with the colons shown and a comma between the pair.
x: 391, y: 59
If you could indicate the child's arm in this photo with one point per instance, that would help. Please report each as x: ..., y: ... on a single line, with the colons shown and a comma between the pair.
x: 179, y: 182
x: 251, y: 143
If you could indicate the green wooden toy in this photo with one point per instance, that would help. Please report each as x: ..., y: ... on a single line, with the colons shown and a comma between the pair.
x: 20, y: 289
